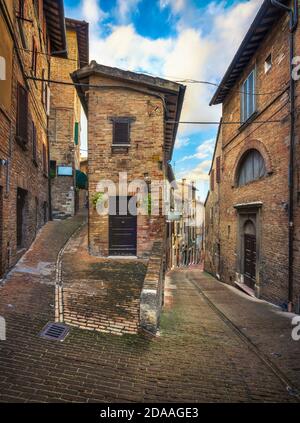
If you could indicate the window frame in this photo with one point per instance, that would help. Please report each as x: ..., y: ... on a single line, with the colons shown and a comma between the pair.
x: 121, y: 120
x: 246, y: 104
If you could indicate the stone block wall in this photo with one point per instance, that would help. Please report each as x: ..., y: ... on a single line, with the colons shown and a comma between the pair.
x: 152, y: 293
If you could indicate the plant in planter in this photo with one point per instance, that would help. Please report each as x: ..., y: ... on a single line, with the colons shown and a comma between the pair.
x: 148, y: 204
x: 97, y: 198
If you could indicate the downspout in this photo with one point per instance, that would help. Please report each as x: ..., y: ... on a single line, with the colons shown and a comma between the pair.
x: 293, y: 13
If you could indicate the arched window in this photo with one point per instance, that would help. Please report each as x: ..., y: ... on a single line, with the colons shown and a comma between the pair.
x: 252, y: 167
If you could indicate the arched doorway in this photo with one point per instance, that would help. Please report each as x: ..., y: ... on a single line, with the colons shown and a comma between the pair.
x: 250, y: 254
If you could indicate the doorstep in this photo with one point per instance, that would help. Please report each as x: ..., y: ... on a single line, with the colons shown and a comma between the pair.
x: 245, y: 288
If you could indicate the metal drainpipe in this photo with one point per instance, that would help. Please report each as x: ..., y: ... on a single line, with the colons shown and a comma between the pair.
x: 293, y: 12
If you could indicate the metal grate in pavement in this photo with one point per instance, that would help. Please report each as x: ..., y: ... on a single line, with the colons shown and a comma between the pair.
x: 55, y: 331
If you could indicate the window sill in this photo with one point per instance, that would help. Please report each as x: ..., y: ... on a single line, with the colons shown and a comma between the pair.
x: 248, y: 121
x: 253, y: 182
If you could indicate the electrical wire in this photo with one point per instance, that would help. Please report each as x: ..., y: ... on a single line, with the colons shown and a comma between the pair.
x: 79, y: 84
x: 175, y: 79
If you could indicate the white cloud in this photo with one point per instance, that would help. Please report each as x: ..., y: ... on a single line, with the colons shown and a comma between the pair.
x: 176, y: 5
x: 181, y: 143
x: 92, y: 12
x: 204, y: 151
x: 198, y: 174
x: 125, y: 9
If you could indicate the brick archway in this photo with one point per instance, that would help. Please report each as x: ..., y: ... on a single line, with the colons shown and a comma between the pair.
x: 248, y: 146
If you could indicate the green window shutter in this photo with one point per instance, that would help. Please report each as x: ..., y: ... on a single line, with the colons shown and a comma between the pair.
x: 76, y: 134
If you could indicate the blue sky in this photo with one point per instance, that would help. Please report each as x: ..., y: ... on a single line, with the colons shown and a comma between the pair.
x: 175, y: 39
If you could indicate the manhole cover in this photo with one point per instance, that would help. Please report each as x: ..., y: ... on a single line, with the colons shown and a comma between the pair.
x: 55, y: 331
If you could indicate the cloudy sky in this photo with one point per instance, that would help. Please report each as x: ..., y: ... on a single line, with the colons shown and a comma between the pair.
x: 177, y: 40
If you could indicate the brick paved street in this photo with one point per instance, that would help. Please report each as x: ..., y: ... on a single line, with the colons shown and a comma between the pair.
x: 99, y: 293
x: 197, y: 356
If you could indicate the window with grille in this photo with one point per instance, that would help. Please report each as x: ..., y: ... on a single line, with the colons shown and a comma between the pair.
x: 121, y: 133
x: 22, y: 115
x: 248, y: 97
x: 251, y: 168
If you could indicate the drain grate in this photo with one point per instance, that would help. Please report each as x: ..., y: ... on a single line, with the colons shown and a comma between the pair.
x: 55, y: 331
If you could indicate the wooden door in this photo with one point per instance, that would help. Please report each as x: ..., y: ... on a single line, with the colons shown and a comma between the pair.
x: 250, y: 260
x: 122, y: 231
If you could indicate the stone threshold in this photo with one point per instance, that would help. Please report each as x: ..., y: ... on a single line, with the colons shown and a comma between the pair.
x: 245, y: 288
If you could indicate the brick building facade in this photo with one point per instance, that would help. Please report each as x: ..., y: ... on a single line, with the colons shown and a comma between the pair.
x: 187, y: 216
x: 212, y: 213
x: 253, y: 189
x: 30, y: 32
x: 129, y: 133
x: 65, y: 118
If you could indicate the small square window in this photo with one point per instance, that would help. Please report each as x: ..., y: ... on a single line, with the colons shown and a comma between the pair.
x: 121, y: 133
x: 268, y: 63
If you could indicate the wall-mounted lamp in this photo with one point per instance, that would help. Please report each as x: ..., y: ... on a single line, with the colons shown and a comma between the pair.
x: 3, y: 162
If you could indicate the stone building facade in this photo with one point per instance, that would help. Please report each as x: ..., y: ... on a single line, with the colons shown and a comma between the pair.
x: 30, y: 32
x: 253, y: 191
x: 131, y: 134
x: 65, y: 120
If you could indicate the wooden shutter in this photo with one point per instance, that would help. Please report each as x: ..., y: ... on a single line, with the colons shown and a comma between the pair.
x: 22, y: 115
x: 34, y: 56
x: 45, y: 163
x: 218, y: 170
x: 212, y: 180
x: 76, y: 133
x: 121, y: 133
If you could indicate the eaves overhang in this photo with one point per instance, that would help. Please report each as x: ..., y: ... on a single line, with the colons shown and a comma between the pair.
x: 55, y: 18
x: 170, y: 92
x: 263, y: 22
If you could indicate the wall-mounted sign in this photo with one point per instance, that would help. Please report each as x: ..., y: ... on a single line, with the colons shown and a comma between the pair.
x: 174, y: 216
x: 65, y: 171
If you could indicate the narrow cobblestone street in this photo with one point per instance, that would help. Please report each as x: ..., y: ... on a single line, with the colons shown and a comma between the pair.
x: 197, y: 357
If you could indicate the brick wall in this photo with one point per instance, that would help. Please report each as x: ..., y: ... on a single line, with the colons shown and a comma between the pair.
x: 65, y: 112
x: 144, y: 156
x: 272, y: 141
x: 21, y: 171
x: 212, y: 217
